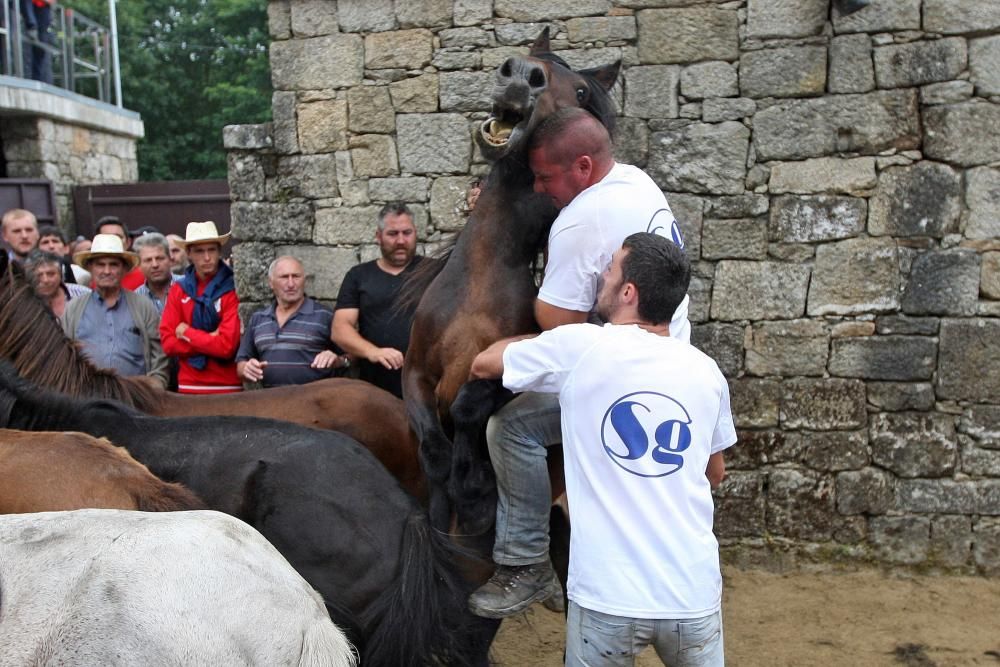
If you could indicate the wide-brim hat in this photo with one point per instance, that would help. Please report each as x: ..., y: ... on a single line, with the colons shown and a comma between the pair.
x: 203, y: 232
x: 106, y: 245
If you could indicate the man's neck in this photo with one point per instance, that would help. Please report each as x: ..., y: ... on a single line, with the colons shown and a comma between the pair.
x: 389, y: 268
x: 159, y: 289
x: 283, y: 312
x: 627, y: 319
x: 109, y: 295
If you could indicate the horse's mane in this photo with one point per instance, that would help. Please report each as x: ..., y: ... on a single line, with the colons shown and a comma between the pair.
x: 32, y: 340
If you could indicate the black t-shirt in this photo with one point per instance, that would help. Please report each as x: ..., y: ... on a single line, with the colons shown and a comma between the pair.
x: 373, y: 292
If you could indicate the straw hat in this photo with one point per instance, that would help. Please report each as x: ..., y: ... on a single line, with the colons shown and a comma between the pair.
x: 106, y: 245
x: 203, y: 232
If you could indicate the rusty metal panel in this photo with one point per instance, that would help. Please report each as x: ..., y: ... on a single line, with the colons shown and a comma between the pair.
x: 166, y: 205
x: 32, y: 194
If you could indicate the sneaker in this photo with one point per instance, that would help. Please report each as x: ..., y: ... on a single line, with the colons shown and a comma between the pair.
x: 514, y: 588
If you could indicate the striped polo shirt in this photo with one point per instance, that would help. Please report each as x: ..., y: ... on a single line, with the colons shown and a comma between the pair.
x: 288, y: 350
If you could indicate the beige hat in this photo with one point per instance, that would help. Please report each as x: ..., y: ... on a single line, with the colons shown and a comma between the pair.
x: 203, y: 232
x: 106, y: 245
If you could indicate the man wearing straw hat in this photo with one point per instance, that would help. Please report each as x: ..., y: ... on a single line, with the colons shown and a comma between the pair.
x: 118, y: 328
x: 200, y: 324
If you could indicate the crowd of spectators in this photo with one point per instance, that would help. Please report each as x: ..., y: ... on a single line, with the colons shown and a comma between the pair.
x: 165, y: 306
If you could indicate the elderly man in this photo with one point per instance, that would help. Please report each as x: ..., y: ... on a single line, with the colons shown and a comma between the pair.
x: 154, y: 262
x: 118, y: 328
x: 110, y: 224
x: 200, y: 324
x: 52, y: 239
x: 645, y: 420
x: 602, y: 202
x: 44, y: 269
x: 289, y: 341
x: 365, y: 322
x: 20, y: 233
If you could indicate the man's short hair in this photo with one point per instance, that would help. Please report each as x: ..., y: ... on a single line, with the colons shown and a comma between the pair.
x: 274, y: 264
x: 51, y: 230
x: 151, y: 240
x: 393, y: 208
x: 38, y: 257
x: 110, y: 220
x: 660, y: 271
x: 569, y: 133
x: 17, y: 214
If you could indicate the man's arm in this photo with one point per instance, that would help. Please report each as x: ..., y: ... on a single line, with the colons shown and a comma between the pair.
x: 549, y: 316
x: 345, y: 334
x: 488, y: 364
x: 716, y: 469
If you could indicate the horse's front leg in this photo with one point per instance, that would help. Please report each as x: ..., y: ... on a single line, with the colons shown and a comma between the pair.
x: 435, y: 447
x: 472, y: 487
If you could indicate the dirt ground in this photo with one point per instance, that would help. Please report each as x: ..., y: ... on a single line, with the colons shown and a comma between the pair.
x: 852, y: 619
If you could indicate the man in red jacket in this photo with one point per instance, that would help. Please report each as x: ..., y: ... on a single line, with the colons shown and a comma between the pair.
x: 200, y: 324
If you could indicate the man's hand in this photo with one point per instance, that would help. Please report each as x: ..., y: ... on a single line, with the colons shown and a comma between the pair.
x: 181, y: 328
x: 253, y: 370
x: 389, y: 357
x: 325, y: 359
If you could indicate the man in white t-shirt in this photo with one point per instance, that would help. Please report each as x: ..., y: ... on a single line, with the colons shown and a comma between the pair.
x: 645, y: 418
x: 601, y: 203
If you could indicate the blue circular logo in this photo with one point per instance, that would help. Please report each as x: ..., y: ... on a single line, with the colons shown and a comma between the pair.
x: 645, y: 433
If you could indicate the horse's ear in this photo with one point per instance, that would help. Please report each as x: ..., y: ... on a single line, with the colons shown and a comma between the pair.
x: 606, y: 75
x: 541, y: 44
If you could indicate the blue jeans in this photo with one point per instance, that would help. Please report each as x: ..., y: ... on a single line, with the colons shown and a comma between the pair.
x: 517, y: 436
x: 594, y: 639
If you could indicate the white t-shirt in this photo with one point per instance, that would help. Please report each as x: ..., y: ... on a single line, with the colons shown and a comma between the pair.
x: 641, y: 414
x: 593, y: 226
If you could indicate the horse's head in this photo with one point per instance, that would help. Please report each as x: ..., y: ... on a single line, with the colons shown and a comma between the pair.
x: 530, y: 89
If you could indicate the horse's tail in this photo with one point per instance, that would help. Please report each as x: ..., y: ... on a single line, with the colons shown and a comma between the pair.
x: 422, y: 619
x: 326, y: 645
x: 166, y: 497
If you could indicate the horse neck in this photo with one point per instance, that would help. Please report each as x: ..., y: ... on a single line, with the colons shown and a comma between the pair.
x: 517, y: 221
x: 34, y: 342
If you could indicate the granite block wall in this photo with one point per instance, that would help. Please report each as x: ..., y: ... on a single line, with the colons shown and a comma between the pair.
x: 838, y: 181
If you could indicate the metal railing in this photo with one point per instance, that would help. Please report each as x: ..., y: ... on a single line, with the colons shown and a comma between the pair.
x: 74, y: 53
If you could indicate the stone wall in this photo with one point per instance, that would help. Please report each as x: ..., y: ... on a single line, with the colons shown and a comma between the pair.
x: 66, y: 138
x: 838, y: 180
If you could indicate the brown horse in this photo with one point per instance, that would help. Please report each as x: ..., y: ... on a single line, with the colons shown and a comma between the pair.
x: 485, y: 290
x: 32, y: 340
x: 50, y: 472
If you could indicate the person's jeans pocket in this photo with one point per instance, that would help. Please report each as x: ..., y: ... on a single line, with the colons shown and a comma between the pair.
x: 700, y: 639
x: 607, y: 639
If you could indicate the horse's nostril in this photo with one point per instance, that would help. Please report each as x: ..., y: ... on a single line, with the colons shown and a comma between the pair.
x: 537, y: 78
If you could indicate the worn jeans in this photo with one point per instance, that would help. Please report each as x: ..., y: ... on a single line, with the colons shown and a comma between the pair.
x: 517, y: 436
x: 594, y: 639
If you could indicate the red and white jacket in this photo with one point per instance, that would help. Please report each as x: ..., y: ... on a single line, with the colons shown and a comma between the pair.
x: 218, y: 376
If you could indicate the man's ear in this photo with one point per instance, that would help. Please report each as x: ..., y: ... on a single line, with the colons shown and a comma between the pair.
x: 585, y: 165
x: 630, y: 293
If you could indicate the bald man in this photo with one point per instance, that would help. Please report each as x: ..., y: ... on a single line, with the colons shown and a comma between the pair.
x: 289, y: 341
x: 601, y: 203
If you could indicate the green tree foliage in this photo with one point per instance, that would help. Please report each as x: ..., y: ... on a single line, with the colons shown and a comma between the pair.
x: 189, y: 67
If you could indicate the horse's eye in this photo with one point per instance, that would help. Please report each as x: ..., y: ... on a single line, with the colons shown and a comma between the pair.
x: 581, y: 94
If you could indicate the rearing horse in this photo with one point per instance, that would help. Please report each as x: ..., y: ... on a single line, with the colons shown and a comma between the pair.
x: 485, y: 290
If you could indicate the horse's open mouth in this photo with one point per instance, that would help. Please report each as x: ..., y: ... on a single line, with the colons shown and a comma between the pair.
x: 496, y: 129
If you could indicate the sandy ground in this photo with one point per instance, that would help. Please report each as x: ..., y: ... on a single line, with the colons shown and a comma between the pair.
x: 852, y: 619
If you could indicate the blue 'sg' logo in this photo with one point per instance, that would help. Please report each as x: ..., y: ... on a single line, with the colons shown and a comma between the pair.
x: 663, y: 224
x: 626, y: 430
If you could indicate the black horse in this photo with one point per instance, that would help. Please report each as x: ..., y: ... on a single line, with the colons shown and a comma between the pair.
x: 320, y: 498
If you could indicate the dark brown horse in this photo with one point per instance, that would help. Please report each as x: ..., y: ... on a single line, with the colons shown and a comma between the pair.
x: 486, y: 289
x: 34, y: 343
x: 50, y: 472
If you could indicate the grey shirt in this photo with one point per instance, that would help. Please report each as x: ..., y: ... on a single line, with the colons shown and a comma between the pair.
x: 117, y: 330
